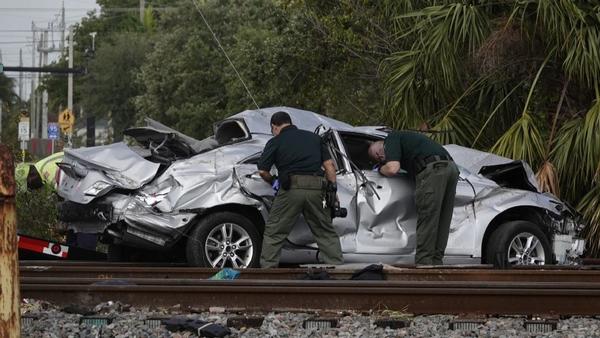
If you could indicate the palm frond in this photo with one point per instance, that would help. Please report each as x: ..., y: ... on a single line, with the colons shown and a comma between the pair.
x: 493, y: 113
x: 590, y: 140
x: 574, y: 29
x: 523, y: 141
x: 567, y: 155
x: 547, y: 178
x: 582, y: 59
x: 589, y: 207
x: 458, y: 126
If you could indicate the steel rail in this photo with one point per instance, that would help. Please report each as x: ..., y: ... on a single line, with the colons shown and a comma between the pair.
x: 399, y: 274
x: 418, y: 297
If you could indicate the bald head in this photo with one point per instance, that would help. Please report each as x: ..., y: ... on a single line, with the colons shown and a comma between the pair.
x: 377, y: 151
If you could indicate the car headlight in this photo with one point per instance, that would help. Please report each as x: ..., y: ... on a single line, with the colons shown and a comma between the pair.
x: 98, y: 188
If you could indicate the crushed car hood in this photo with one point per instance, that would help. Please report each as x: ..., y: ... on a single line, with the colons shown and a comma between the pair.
x: 494, y: 167
x: 124, y: 167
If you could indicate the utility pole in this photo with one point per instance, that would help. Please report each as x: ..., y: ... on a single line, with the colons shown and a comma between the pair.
x: 38, y: 104
x: 70, y: 80
x: 44, y: 123
x: 20, y: 74
x: 142, y: 6
x: 62, y: 26
x: 32, y: 95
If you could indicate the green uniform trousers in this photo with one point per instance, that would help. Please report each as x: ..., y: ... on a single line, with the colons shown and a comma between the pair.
x: 285, y: 211
x: 434, y: 197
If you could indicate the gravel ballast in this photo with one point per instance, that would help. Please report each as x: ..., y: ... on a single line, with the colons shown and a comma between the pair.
x: 127, y: 321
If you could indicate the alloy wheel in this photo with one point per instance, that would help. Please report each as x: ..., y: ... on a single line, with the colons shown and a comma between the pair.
x: 229, y: 245
x: 526, y: 249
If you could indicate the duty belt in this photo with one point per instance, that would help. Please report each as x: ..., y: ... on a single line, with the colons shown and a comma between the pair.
x: 310, y: 182
x: 422, y: 162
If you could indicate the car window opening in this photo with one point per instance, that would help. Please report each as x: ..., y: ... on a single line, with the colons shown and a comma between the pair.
x: 357, y: 149
x: 229, y: 132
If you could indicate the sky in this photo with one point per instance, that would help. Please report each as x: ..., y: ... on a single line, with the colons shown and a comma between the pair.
x: 16, y: 17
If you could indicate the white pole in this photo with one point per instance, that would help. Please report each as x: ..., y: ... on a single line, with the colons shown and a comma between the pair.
x: 20, y: 75
x: 45, y: 93
x: 32, y: 95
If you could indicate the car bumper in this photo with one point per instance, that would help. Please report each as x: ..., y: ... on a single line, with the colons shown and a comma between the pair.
x: 568, y: 249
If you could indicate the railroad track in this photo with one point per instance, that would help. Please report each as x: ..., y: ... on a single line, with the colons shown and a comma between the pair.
x: 467, y: 290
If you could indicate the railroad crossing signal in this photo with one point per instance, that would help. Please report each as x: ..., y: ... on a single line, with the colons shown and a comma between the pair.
x: 66, y: 120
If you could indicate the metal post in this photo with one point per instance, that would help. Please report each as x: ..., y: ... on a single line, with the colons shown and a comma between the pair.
x: 62, y: 27
x: 70, y: 83
x: 37, y: 123
x: 44, y: 124
x: 32, y: 98
x: 10, y: 321
x: 21, y: 75
x: 70, y: 80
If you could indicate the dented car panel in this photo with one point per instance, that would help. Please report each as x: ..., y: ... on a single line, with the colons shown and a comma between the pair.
x: 96, y: 171
x: 164, y: 193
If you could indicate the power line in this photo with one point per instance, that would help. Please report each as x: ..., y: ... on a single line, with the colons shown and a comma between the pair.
x: 109, y: 9
x: 42, y: 9
x: 26, y: 31
x: 225, y: 53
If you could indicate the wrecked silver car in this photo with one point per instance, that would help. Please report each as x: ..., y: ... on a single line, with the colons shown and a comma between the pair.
x: 205, y: 202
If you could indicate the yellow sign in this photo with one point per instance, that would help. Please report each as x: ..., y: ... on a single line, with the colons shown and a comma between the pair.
x: 66, y: 120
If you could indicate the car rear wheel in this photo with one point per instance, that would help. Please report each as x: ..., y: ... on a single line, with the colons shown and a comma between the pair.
x: 518, y: 243
x: 224, y: 239
x: 118, y: 253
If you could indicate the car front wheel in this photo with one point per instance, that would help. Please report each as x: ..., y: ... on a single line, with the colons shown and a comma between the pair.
x: 518, y: 243
x: 224, y: 239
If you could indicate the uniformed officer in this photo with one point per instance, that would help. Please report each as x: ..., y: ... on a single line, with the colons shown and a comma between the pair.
x: 435, y: 176
x: 298, y: 156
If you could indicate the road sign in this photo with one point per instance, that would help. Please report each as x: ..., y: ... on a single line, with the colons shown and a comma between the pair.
x: 53, y: 131
x: 66, y: 120
x: 24, y: 129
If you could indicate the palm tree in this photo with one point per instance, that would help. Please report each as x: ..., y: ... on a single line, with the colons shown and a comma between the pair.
x: 518, y: 78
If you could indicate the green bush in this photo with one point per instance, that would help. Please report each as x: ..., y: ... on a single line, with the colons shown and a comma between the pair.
x: 37, y: 214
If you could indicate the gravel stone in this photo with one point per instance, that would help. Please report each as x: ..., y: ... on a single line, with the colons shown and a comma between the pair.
x: 129, y: 322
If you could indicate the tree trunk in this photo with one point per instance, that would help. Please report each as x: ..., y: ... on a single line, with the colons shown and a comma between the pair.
x: 10, y: 322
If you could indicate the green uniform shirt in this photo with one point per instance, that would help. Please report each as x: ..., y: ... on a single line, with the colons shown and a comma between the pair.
x: 294, y: 151
x: 407, y: 146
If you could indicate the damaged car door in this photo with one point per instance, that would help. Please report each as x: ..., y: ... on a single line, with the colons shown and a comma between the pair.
x: 386, y: 218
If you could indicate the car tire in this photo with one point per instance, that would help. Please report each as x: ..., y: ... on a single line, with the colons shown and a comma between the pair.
x: 224, y: 239
x: 115, y: 253
x: 119, y: 253
x: 508, y: 245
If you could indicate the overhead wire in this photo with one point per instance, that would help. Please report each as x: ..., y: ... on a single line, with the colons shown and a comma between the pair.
x: 225, y: 53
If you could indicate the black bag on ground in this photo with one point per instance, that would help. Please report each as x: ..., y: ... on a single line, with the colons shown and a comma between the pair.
x: 371, y: 272
x: 199, y: 327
